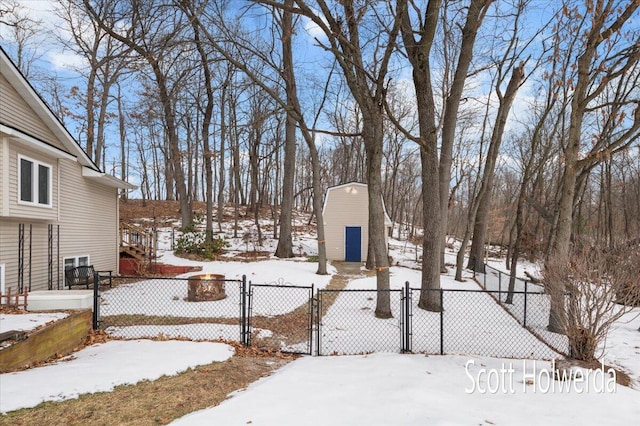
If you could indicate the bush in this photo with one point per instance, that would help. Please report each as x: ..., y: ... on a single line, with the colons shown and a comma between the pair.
x: 195, y: 242
x: 586, y: 289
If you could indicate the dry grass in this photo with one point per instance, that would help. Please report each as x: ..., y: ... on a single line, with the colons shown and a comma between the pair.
x: 158, y: 402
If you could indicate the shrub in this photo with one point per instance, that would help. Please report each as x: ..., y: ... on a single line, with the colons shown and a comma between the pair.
x: 587, y: 288
x: 195, y: 242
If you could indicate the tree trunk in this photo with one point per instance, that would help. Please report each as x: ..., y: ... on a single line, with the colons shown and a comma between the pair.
x: 484, y: 195
x: 373, y: 144
x: 285, y: 244
x: 221, y: 154
x: 475, y: 16
x: 206, y: 124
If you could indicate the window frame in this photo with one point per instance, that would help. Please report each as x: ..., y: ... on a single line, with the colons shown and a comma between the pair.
x: 35, y: 182
x: 76, y: 263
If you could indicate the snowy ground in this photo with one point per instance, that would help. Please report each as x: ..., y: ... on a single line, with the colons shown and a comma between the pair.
x: 472, y: 322
x: 28, y: 322
x: 393, y: 389
x: 169, y: 296
x: 100, y: 368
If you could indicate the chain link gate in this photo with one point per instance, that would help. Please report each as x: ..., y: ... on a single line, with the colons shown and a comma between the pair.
x: 347, y: 325
x: 280, y: 317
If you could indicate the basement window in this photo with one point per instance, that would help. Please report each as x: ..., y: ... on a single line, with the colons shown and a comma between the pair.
x: 74, y: 261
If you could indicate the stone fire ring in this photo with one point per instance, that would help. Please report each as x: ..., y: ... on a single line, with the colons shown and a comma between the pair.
x: 206, y: 288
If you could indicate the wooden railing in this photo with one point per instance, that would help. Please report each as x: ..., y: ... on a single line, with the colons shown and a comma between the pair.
x: 14, y: 300
x: 138, y: 242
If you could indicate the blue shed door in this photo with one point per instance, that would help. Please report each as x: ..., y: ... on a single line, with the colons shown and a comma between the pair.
x: 352, y: 243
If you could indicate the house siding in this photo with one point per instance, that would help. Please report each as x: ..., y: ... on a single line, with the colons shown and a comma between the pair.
x: 89, y: 218
x: 4, y: 176
x: 16, y: 113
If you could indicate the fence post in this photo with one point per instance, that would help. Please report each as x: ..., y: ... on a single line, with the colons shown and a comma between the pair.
x: 243, y: 311
x: 441, y: 322
x: 318, y: 320
x: 311, y: 320
x: 524, y: 319
x: 484, y: 277
x: 407, y: 318
x: 96, y: 301
x: 499, y: 286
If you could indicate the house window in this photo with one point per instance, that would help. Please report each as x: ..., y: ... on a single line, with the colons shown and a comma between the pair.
x: 72, y: 262
x: 35, y: 182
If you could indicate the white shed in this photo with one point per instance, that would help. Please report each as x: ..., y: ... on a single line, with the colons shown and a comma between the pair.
x: 346, y: 222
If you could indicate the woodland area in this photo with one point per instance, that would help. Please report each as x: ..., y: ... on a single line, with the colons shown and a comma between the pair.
x: 511, y: 122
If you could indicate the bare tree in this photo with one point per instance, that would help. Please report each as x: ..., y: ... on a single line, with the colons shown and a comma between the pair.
x: 152, y: 32
x: 479, y: 210
x: 25, y: 36
x: 367, y: 83
x: 418, y: 35
x: 285, y: 244
x: 107, y: 60
x: 605, y: 54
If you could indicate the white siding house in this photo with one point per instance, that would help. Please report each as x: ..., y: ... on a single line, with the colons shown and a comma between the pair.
x: 57, y: 207
x: 346, y: 222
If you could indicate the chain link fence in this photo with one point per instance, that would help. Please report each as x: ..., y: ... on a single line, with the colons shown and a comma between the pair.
x: 526, y: 301
x: 491, y: 321
x: 172, y: 308
x: 472, y: 322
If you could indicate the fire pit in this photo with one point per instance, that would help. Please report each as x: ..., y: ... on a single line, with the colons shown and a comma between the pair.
x: 206, y: 288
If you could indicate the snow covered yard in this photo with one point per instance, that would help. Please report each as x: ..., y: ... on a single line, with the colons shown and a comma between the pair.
x: 165, y: 299
x: 101, y: 367
x: 168, y: 297
x: 472, y: 322
x: 393, y: 389
x: 377, y: 389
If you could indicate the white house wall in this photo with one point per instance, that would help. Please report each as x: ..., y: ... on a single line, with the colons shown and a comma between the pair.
x: 88, y: 226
